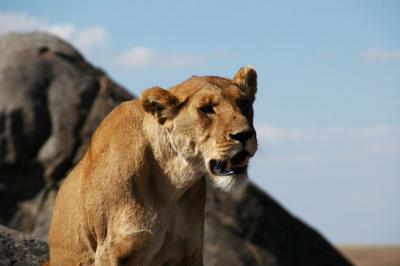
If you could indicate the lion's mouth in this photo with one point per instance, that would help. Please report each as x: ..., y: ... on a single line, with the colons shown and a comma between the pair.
x: 233, y: 166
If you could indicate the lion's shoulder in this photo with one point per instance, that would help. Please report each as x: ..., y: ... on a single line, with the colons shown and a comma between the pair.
x: 121, y: 131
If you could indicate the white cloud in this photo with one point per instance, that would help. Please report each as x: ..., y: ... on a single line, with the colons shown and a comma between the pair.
x: 271, y: 133
x: 381, y: 55
x: 136, y: 57
x: 383, y: 138
x: 19, y: 22
x: 65, y: 31
x: 89, y: 37
x: 92, y: 40
x: 85, y: 39
x: 139, y: 57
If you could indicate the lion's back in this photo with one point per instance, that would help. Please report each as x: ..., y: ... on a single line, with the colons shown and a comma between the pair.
x: 66, y: 221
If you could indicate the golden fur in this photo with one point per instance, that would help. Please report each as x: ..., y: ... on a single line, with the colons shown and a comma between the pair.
x: 137, y: 197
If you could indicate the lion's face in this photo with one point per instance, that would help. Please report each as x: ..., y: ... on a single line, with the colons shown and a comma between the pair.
x: 210, y: 123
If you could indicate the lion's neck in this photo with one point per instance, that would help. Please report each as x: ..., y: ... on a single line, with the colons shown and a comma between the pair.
x: 171, y: 170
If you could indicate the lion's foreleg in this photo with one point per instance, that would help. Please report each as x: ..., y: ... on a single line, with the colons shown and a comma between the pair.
x: 123, y: 249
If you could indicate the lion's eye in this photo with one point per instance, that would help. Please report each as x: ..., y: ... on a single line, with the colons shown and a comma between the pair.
x: 243, y: 104
x: 207, y: 109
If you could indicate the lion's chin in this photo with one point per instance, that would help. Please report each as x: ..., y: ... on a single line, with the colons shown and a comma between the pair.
x: 227, y: 183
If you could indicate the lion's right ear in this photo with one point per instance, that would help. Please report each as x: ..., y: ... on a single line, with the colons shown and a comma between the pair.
x: 160, y: 103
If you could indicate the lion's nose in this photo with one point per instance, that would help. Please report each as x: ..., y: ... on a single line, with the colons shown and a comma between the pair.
x: 242, y: 136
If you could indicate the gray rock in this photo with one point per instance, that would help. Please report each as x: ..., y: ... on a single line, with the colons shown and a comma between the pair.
x: 51, y: 101
x: 20, y: 249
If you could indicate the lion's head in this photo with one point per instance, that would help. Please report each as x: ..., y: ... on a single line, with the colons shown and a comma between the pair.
x: 209, y: 121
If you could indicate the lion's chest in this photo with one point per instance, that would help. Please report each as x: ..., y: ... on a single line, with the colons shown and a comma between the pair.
x: 178, y: 239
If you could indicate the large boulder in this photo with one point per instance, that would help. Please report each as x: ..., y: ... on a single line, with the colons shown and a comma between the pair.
x: 51, y: 101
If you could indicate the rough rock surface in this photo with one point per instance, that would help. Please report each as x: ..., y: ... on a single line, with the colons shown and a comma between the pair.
x: 51, y: 101
x: 20, y: 249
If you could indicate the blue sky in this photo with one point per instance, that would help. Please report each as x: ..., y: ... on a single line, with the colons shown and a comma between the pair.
x: 328, y: 105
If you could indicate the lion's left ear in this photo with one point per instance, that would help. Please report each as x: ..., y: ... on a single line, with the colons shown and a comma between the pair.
x: 246, y: 77
x: 159, y: 102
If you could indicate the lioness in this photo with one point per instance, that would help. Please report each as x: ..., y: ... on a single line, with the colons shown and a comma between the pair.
x: 137, y: 197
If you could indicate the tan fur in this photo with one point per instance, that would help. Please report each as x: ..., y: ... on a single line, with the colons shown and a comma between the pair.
x: 137, y: 197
